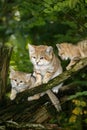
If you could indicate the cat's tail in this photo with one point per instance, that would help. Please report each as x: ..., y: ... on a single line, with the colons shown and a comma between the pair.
x: 54, y: 100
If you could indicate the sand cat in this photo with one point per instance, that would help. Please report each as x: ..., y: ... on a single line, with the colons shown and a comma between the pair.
x: 72, y: 52
x: 46, y: 64
x: 83, y: 48
x: 20, y: 81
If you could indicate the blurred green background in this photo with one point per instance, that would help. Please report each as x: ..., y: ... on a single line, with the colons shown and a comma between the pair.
x: 47, y: 22
x: 40, y: 22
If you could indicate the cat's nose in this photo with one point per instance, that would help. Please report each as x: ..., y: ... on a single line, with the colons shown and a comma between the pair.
x: 17, y: 84
x: 37, y: 62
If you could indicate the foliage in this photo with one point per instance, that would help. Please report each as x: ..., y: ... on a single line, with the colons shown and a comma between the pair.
x: 78, y: 94
x: 43, y: 22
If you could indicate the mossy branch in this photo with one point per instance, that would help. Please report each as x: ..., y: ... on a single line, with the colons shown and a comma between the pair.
x: 54, y: 82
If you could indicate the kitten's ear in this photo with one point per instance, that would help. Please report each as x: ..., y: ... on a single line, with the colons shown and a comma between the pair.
x: 49, y: 50
x: 12, y: 71
x: 31, y: 48
x: 58, y: 46
x: 28, y: 76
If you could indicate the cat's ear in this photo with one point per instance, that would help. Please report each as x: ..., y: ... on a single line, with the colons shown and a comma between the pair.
x: 58, y: 46
x: 28, y: 76
x: 12, y: 71
x: 31, y: 48
x: 49, y: 50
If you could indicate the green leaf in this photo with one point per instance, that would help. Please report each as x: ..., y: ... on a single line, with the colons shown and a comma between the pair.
x: 78, y: 94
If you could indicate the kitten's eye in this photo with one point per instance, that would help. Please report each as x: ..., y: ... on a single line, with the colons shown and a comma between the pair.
x: 41, y: 57
x: 21, y: 81
x: 62, y: 53
x: 15, y: 79
x: 34, y: 57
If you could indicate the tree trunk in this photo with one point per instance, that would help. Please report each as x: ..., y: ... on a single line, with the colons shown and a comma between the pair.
x: 5, y: 54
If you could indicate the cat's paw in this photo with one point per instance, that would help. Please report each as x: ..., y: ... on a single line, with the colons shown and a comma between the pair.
x: 12, y: 96
x: 68, y: 67
x: 45, y: 80
x: 30, y: 98
x: 55, y: 90
x: 38, y: 83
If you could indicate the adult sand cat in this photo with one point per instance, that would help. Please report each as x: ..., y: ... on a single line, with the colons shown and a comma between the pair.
x: 21, y: 81
x: 46, y: 65
x: 72, y: 52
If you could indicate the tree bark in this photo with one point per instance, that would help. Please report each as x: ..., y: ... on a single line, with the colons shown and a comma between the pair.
x: 5, y: 54
x: 29, y: 126
x: 54, y: 82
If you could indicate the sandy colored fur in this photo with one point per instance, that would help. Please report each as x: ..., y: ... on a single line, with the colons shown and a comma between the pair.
x: 83, y: 48
x: 48, y: 67
x: 20, y: 81
x: 72, y: 52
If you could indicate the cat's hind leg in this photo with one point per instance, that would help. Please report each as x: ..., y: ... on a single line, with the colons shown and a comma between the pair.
x: 73, y: 62
x: 35, y: 97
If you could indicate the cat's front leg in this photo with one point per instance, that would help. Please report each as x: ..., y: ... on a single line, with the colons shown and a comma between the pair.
x: 47, y: 77
x: 13, y: 94
x: 38, y: 79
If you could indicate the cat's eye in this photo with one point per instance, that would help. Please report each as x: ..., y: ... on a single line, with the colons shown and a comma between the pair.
x: 15, y: 79
x: 21, y: 81
x: 34, y: 57
x: 41, y: 57
x: 62, y: 53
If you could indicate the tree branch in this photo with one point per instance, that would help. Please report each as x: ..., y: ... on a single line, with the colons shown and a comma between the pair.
x: 27, y: 111
x: 12, y: 124
x: 54, y: 82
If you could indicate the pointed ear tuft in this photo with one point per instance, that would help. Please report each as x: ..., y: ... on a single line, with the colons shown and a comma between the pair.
x: 31, y: 48
x: 28, y: 76
x: 49, y: 49
x: 58, y: 46
x: 12, y: 71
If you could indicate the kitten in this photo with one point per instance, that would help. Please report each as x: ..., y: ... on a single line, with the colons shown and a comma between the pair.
x: 83, y: 48
x: 46, y: 64
x: 46, y: 67
x: 72, y: 52
x: 20, y: 81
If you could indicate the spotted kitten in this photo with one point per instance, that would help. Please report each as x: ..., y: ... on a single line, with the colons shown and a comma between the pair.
x: 20, y: 81
x: 72, y: 52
